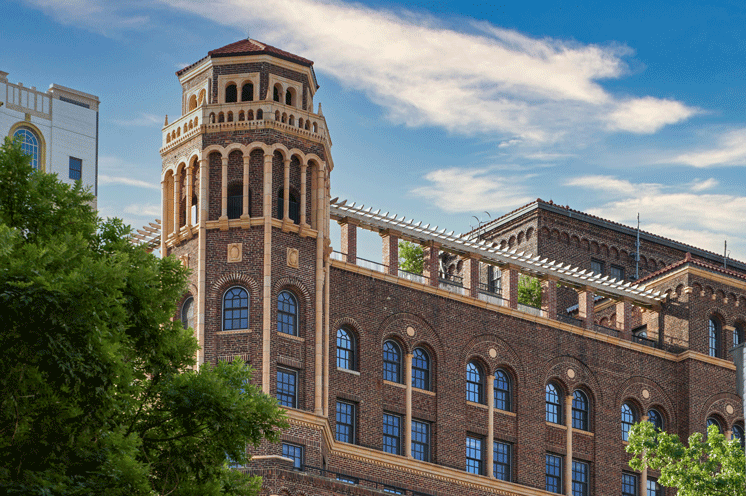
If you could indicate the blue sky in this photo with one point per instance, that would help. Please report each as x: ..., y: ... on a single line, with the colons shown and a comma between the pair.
x: 440, y: 110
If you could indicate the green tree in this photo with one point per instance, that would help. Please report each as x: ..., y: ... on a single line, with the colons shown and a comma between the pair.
x: 704, y: 467
x: 98, y: 390
x: 411, y: 257
x: 529, y: 291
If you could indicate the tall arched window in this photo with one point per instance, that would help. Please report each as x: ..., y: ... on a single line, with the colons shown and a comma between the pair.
x: 655, y: 418
x: 293, y: 206
x: 235, y: 200
x: 235, y: 309
x: 247, y: 92
x: 503, y: 391
x: 553, y: 406
x: 287, y: 313
x: 421, y: 369
x: 345, y: 349
x: 715, y: 422
x: 391, y: 362
x: 231, y: 93
x: 29, y: 144
x: 738, y: 434
x: 288, y: 97
x: 737, y: 334
x: 474, y: 383
x: 629, y: 417
x: 276, y: 94
x: 580, y: 411
x: 187, y: 313
x: 714, y: 334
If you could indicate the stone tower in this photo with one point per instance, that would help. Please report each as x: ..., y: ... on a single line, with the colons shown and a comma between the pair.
x: 246, y: 207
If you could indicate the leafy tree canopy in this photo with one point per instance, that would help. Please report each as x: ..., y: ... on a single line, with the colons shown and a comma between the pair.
x: 98, y: 390
x: 703, y: 467
x: 411, y: 257
x: 529, y: 291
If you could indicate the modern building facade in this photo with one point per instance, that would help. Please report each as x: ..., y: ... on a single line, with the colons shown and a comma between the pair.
x: 58, y: 128
x: 440, y: 383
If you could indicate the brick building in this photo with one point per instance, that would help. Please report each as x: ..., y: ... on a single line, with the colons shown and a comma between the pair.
x: 440, y: 383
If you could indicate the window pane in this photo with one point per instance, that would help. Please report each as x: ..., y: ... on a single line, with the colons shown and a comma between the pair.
x: 714, y: 332
x: 391, y: 362
x: 187, y: 313
x: 392, y: 434
x: 345, y: 422
x: 286, y: 313
x: 738, y: 434
x: 76, y: 168
x: 474, y: 383
x: 420, y: 369
x: 579, y: 411
x: 553, y: 474
x: 29, y: 145
x: 579, y: 478
x: 474, y: 455
x: 655, y: 418
x: 597, y: 266
x: 629, y: 485
x: 502, y: 460
x: 420, y: 440
x: 236, y: 309
x: 295, y: 453
x: 502, y: 391
x: 286, y: 382
x: 553, y: 410
x: 653, y: 488
x: 628, y: 418
x: 345, y: 350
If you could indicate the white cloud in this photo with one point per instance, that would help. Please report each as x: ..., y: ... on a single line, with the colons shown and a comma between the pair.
x: 114, y: 170
x: 647, y: 115
x: 143, y: 120
x: 143, y: 210
x: 698, y: 185
x: 702, y: 220
x: 730, y: 150
x: 105, y: 17
x: 106, y: 180
x: 457, y: 190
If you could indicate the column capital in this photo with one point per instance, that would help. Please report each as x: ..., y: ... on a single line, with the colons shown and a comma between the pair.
x: 224, y: 160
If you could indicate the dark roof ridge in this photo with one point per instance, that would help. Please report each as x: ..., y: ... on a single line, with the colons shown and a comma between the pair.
x: 694, y: 261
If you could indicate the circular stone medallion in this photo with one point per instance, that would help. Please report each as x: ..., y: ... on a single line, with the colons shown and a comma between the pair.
x: 493, y: 353
x: 729, y: 409
x: 410, y: 331
x: 571, y: 373
x: 645, y: 393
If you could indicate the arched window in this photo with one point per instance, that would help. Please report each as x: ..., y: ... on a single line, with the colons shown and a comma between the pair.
x: 231, y: 93
x: 235, y: 309
x: 345, y: 349
x: 553, y: 406
x: 187, y: 313
x: 29, y: 144
x: 714, y: 421
x: 260, y: 115
x: 503, y: 393
x: 714, y: 334
x: 288, y: 97
x: 629, y: 417
x: 293, y: 206
x: 474, y: 383
x: 247, y: 92
x: 391, y: 362
x: 738, y: 434
x: 235, y: 200
x: 655, y: 418
x: 421, y: 369
x: 737, y: 334
x: 580, y: 411
x: 287, y: 313
x: 276, y: 94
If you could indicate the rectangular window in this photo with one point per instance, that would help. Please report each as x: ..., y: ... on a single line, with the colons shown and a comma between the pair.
x: 286, y: 387
x: 474, y: 456
x: 554, y: 474
x: 76, y: 168
x: 392, y: 490
x: 616, y: 272
x: 295, y: 453
x: 345, y: 422
x: 579, y: 478
x: 392, y: 434
x: 654, y: 489
x: 502, y: 460
x: 629, y: 485
x: 597, y: 266
x: 420, y: 440
x: 347, y: 479
x: 494, y: 284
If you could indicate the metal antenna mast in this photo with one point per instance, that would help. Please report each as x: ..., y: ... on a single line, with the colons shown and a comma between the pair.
x: 725, y: 255
x: 637, y: 249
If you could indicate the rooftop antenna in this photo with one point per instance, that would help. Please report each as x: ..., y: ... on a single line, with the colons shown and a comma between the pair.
x: 637, y: 249
x: 725, y: 254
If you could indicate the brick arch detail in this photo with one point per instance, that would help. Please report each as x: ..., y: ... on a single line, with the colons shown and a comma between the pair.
x: 295, y: 283
x: 396, y: 325
x: 506, y: 357
x: 556, y: 370
x: 224, y: 282
x: 715, y: 406
x: 631, y: 391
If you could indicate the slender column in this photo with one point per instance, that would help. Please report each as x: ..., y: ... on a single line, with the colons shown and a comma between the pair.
x: 644, y: 473
x: 189, y: 192
x: 267, y: 286
x: 549, y: 298
x: 176, y: 205
x: 246, y: 198
x: 349, y: 241
x: 164, y: 216
x: 432, y: 264
x: 286, y: 193
x: 318, y: 385
x: 303, y: 168
x: 510, y: 285
x: 408, y: 418
x: 224, y: 190
x: 326, y: 344
x: 203, y: 202
x: 471, y: 275
x: 490, y: 426
x: 568, y: 457
x: 624, y: 319
x: 390, y: 251
x: 585, y: 307
x: 314, y: 198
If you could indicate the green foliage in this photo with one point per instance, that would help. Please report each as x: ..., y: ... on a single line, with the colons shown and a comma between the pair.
x: 711, y: 467
x: 98, y: 394
x: 529, y: 291
x: 411, y: 257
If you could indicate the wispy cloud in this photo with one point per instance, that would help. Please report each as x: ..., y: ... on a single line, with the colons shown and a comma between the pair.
x: 456, y: 190
x: 115, y: 170
x: 674, y: 211
x: 143, y: 120
x: 106, y: 180
x: 729, y: 151
x: 100, y: 16
x: 143, y: 210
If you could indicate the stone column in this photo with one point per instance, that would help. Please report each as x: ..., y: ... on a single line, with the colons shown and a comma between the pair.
x: 267, y: 280
x: 624, y: 319
x: 246, y: 197
x: 471, y: 275
x: 189, y: 193
x: 303, y: 179
x: 490, y: 426
x: 224, y: 190
x: 176, y: 206
x: 510, y: 285
x: 432, y: 264
x: 349, y: 241
x: 408, y: 418
x: 164, y: 216
x: 568, y: 457
x: 549, y: 297
x: 390, y: 252
x: 203, y: 206
x: 320, y: 276
x: 585, y: 307
x: 644, y: 473
x: 286, y: 193
x: 314, y: 195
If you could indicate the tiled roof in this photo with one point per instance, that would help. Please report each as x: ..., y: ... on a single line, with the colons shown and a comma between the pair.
x: 692, y: 261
